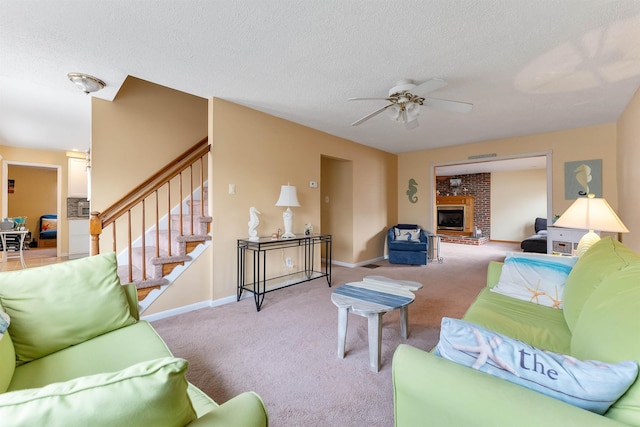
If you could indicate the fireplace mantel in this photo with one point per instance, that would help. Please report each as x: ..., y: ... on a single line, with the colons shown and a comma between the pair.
x: 468, y: 202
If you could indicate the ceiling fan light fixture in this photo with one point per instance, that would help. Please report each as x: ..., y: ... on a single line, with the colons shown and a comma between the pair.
x: 413, y: 111
x: 406, y: 98
x: 394, y: 112
x: 86, y: 83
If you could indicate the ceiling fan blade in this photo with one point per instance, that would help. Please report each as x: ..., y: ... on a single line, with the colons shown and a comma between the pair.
x: 368, y: 116
x: 444, y: 104
x: 368, y: 99
x: 428, y: 86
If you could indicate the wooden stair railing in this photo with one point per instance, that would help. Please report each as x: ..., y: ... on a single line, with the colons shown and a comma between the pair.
x: 180, y: 169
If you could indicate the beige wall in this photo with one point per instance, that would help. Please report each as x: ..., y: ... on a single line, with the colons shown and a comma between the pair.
x: 35, y: 194
x: 135, y: 135
x: 595, y: 142
x: 336, y: 206
x: 259, y: 153
x: 517, y: 198
x: 629, y: 172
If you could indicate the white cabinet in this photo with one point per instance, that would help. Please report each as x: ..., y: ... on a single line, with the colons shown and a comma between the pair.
x: 563, y: 241
x: 77, y: 183
x: 79, y: 238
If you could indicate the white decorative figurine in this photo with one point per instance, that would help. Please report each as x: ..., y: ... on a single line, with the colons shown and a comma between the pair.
x: 253, y: 223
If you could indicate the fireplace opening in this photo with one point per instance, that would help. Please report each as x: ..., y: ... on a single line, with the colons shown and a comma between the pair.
x: 451, y: 217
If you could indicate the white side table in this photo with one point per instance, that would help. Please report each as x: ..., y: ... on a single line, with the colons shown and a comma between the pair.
x: 564, y: 241
x: 434, y: 246
x: 3, y: 237
x: 371, y: 298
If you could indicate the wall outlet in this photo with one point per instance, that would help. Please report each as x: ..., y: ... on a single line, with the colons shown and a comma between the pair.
x: 288, y: 262
x: 313, y: 184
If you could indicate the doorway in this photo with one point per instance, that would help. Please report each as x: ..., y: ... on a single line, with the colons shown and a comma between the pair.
x: 36, y: 190
x: 519, y: 190
x: 336, y: 206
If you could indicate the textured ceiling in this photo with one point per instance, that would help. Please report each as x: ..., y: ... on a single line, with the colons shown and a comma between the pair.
x: 527, y: 66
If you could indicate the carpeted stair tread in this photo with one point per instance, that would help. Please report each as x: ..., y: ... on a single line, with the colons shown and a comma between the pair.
x: 123, y: 274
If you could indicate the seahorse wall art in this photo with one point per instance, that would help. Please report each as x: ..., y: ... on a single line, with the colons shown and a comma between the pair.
x: 411, y: 192
x: 582, y: 177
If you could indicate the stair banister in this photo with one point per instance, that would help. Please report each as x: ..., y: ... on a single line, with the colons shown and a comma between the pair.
x: 185, y: 161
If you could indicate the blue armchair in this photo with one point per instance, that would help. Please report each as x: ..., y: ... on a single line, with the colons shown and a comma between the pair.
x: 408, y: 244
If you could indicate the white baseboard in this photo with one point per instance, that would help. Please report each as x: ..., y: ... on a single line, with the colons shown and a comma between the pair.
x: 215, y: 303
x: 359, y: 264
x: 187, y: 308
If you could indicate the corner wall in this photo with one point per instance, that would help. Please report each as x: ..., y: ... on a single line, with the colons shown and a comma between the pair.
x: 258, y: 153
x: 628, y: 161
x: 140, y: 131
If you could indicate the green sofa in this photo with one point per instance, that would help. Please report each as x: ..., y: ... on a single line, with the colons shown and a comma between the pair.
x: 600, y: 320
x: 75, y: 354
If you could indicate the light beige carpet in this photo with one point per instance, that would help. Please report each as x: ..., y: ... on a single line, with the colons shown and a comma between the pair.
x: 287, y: 352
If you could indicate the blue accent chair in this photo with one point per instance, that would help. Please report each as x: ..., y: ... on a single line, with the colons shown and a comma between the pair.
x: 412, y: 252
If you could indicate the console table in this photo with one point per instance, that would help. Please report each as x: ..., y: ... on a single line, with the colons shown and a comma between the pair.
x: 258, y: 249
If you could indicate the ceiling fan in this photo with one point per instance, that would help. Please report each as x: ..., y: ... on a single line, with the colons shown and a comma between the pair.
x: 406, y: 98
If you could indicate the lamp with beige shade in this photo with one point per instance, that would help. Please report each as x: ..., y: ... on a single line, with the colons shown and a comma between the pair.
x: 590, y: 213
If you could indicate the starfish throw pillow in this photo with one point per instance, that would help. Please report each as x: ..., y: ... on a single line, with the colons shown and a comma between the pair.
x: 537, y: 278
x: 590, y: 384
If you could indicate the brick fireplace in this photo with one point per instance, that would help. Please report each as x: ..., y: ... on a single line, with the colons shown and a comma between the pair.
x: 479, y: 186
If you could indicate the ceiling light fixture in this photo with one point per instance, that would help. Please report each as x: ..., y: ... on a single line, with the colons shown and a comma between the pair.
x: 86, y: 83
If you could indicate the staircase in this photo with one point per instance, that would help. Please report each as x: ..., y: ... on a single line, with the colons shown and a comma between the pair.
x: 160, y: 264
x: 155, y: 227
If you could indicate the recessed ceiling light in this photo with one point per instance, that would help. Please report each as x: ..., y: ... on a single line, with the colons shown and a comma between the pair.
x: 86, y: 83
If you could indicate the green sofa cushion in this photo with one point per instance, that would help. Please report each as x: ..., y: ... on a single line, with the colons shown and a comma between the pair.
x: 153, y: 393
x: 541, y: 326
x: 603, y: 258
x: 109, y: 352
x: 59, y: 305
x: 7, y: 353
x: 608, y: 329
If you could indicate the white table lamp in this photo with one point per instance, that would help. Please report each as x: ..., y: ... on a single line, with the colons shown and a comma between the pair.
x: 590, y: 213
x: 288, y: 197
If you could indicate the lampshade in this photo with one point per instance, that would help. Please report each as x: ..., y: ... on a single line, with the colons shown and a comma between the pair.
x: 592, y: 214
x: 288, y: 196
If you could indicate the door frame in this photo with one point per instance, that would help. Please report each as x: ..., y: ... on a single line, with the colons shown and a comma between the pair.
x: 5, y: 194
x: 549, y: 166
